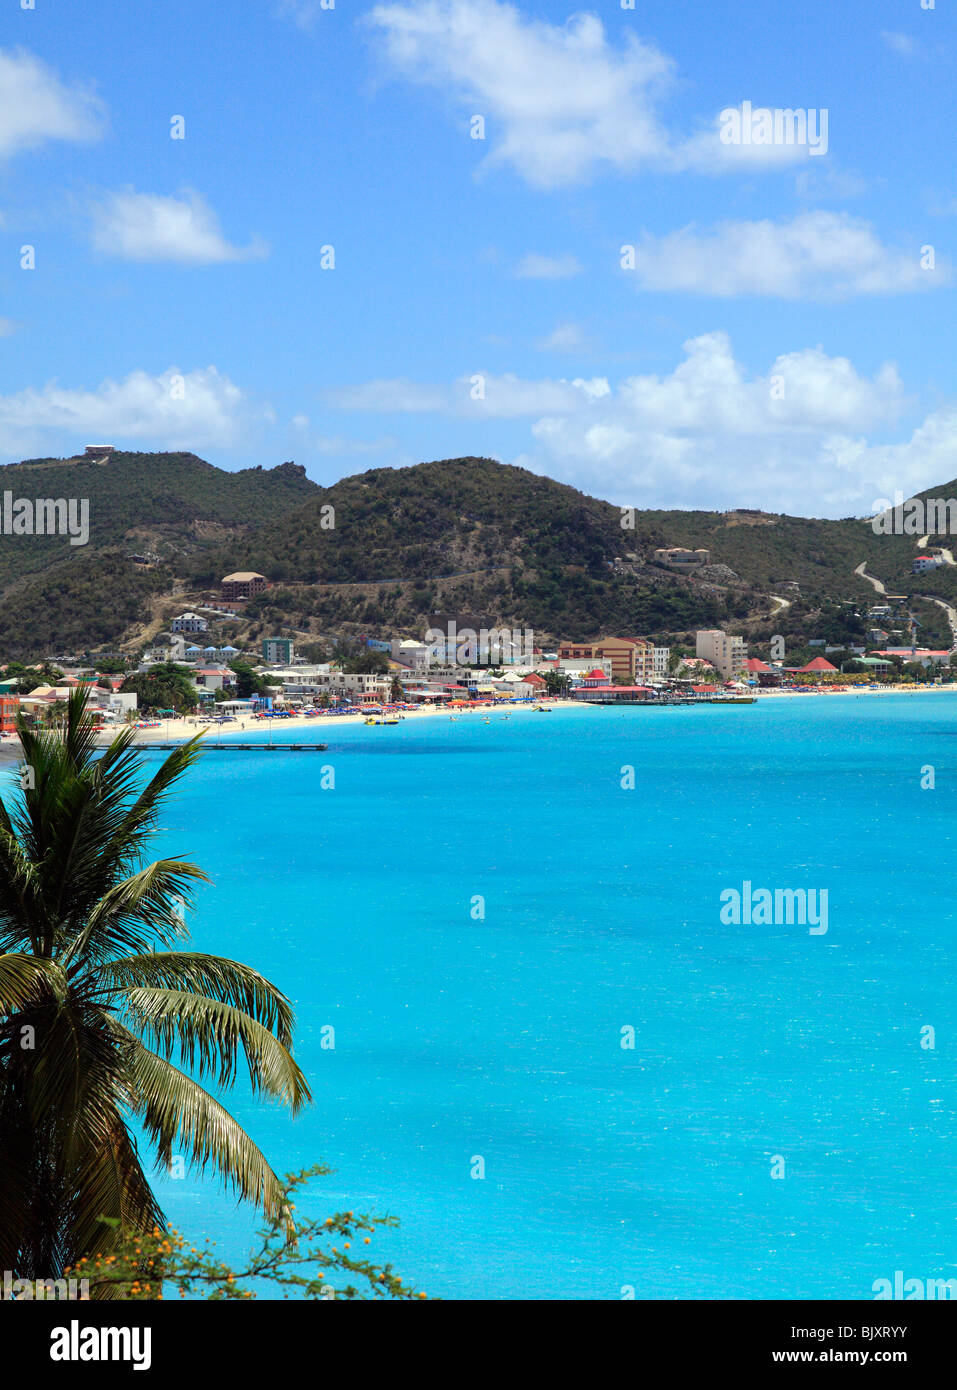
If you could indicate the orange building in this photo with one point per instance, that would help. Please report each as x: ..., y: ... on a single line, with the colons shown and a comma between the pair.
x: 622, y: 652
x: 9, y: 709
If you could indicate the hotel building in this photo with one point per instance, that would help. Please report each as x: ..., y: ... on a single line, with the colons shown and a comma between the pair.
x: 727, y: 654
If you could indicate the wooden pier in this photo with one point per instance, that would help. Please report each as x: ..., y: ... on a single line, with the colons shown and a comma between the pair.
x: 248, y: 747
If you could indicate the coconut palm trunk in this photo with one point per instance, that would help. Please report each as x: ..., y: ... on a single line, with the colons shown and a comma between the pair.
x: 107, y: 1021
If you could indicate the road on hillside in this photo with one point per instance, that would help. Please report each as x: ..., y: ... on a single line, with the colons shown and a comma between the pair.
x: 870, y: 578
x: 951, y: 614
x: 947, y: 556
x: 941, y: 603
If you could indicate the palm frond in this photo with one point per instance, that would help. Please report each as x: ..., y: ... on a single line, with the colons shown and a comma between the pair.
x: 131, y: 913
x: 25, y: 980
x: 110, y: 1186
x: 213, y: 976
x: 176, y: 1110
x: 209, y: 1034
x: 81, y: 914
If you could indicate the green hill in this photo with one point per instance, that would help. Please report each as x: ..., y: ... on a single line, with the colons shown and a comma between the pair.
x: 492, y: 544
x: 161, y: 506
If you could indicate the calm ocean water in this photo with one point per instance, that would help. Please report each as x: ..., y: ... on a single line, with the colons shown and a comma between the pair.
x: 454, y: 1038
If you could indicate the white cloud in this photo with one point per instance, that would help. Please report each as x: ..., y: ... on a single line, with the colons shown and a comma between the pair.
x: 900, y: 43
x: 709, y: 433
x: 706, y: 153
x: 395, y: 394
x: 926, y: 459
x: 564, y: 337
x: 818, y: 184
x: 817, y: 255
x: 36, y: 106
x: 149, y: 227
x: 560, y: 101
x: 303, y: 13
x: 479, y: 396
x: 172, y: 411
x: 7, y: 326
x: 536, y: 267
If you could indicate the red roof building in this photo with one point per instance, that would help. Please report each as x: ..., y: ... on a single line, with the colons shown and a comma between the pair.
x: 816, y: 666
x: 593, y: 679
x: 612, y: 692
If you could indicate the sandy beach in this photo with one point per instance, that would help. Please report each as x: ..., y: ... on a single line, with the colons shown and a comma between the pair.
x: 319, y: 726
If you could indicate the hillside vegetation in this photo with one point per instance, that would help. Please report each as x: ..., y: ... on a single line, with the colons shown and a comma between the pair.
x: 489, y: 543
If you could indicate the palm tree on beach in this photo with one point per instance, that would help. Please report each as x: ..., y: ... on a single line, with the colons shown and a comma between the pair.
x: 104, y: 1013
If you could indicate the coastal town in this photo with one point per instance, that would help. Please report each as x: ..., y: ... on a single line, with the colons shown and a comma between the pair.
x: 190, y: 671
x: 470, y: 739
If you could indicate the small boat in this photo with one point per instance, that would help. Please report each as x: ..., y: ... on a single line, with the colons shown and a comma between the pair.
x: 542, y: 709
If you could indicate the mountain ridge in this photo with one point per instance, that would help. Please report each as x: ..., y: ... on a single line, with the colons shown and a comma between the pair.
x: 488, y: 540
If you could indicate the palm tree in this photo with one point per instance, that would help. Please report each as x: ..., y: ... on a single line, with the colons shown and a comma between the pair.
x: 98, y: 999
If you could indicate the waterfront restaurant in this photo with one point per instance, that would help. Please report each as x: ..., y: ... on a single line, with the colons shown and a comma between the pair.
x: 760, y: 673
x: 599, y: 692
x: 594, y: 680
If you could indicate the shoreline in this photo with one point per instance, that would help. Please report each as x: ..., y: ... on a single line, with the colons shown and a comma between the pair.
x: 180, y: 729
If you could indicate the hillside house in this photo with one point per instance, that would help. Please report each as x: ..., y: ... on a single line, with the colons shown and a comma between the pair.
x: 242, y: 584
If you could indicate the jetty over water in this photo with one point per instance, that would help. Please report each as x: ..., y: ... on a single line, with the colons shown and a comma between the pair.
x: 250, y: 747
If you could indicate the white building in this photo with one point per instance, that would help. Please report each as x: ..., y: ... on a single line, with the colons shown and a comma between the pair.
x: 661, y: 663
x: 727, y: 654
x: 414, y: 655
x: 211, y: 678
x: 364, y: 686
x: 188, y: 622
x: 122, y: 701
x: 312, y: 682
x: 456, y: 675
x: 172, y: 648
x: 576, y: 666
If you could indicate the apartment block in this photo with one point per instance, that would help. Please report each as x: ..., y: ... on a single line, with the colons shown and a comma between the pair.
x: 727, y: 654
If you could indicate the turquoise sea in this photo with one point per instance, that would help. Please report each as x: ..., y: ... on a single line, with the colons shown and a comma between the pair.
x: 606, y: 1168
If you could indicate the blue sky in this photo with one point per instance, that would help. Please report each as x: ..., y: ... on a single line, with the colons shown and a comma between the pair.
x: 777, y: 343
